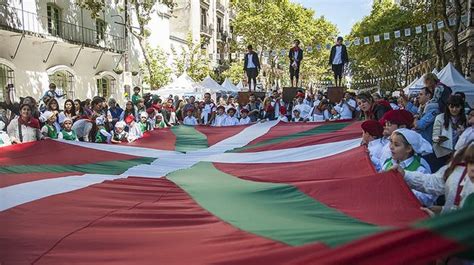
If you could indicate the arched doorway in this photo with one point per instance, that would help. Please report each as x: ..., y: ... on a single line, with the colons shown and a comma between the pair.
x: 7, y: 76
x: 63, y: 77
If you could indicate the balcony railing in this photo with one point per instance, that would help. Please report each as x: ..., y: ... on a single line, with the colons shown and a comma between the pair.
x: 19, y: 20
x: 206, y: 30
x: 220, y: 7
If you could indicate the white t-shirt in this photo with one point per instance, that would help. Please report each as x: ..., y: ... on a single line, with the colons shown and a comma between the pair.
x: 231, y: 121
x: 219, y: 120
x: 244, y: 121
x: 337, y: 57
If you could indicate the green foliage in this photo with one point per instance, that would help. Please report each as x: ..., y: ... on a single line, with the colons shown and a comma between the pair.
x: 193, y: 60
x: 160, y: 72
x: 273, y: 25
x: 389, y: 57
x: 234, y: 72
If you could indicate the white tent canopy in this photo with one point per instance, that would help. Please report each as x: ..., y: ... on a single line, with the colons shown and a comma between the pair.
x: 417, y: 84
x: 181, y: 86
x: 229, y: 87
x: 452, y: 78
x: 211, y: 86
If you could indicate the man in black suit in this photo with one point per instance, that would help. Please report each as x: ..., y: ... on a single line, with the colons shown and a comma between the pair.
x: 251, y: 67
x: 296, y: 56
x: 337, y: 59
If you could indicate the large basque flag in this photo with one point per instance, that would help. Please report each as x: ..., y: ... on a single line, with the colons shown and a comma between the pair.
x: 268, y: 193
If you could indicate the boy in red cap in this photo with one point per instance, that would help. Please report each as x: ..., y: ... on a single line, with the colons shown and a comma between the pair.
x: 134, y: 131
x: 302, y: 108
x: 372, y: 137
x: 244, y: 118
x: 282, y: 116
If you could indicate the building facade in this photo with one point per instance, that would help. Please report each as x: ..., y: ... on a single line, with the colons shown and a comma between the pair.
x: 206, y: 20
x: 55, y: 41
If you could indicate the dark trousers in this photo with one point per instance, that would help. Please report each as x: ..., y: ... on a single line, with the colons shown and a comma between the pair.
x: 338, y: 69
x: 252, y: 75
x: 294, y: 73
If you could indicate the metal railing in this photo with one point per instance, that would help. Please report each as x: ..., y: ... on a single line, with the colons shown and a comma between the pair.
x: 19, y: 20
x: 206, y: 30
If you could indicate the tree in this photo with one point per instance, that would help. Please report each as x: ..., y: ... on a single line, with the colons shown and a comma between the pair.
x: 193, y: 60
x: 234, y: 72
x: 142, y: 11
x: 160, y: 72
x: 272, y: 25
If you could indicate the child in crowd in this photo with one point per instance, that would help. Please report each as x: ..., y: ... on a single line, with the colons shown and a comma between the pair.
x: 102, y: 135
x: 119, y: 134
x: 134, y: 131
x: 151, y: 117
x: 160, y: 123
x: 455, y: 181
x: 67, y: 133
x: 406, y: 146
x: 4, y: 138
x: 282, y: 117
x: 220, y: 118
x: 49, y: 128
x: 391, y: 120
x: 244, y: 118
x: 190, y: 119
x: 296, y: 116
x: 144, y: 124
x: 372, y: 138
x: 320, y: 112
x: 231, y: 120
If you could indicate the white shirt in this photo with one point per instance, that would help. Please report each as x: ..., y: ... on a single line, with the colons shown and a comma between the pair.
x: 5, y: 139
x: 319, y: 116
x: 435, y: 184
x: 244, y: 121
x: 304, y: 109
x: 190, y: 120
x: 466, y: 137
x: 134, y: 132
x: 231, y: 121
x: 375, y: 148
x: 337, y: 57
x: 250, y: 63
x: 295, y: 55
x: 344, y: 110
x: 219, y: 120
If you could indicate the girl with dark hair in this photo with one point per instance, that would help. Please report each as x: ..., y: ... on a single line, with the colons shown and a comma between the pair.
x: 53, y: 106
x: 129, y: 110
x: 371, y: 110
x: 454, y: 180
x: 448, y: 126
x: 24, y: 128
x: 68, y: 112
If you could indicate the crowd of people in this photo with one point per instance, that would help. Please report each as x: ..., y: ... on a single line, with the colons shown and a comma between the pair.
x: 428, y: 133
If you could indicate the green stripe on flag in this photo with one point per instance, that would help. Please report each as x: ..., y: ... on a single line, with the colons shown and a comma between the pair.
x: 457, y: 226
x: 277, y: 211
x: 327, y: 128
x: 188, y: 138
x: 108, y: 167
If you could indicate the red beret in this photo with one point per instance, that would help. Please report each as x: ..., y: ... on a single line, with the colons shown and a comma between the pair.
x: 244, y: 111
x: 150, y: 111
x: 190, y: 109
x: 300, y: 95
x: 374, y: 128
x: 129, y: 119
x: 282, y: 110
x: 398, y: 117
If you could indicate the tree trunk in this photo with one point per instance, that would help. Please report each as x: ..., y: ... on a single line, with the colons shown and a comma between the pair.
x: 141, y: 39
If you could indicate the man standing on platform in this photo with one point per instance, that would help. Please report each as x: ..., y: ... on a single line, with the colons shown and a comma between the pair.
x: 296, y: 56
x: 251, y: 67
x: 337, y: 59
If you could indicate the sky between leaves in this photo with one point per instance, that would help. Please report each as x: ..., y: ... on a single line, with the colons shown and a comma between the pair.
x: 343, y: 13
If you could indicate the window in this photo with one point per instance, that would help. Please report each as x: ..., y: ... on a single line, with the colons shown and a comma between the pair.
x: 64, y: 83
x: 100, y: 26
x: 219, y: 24
x: 203, y: 17
x: 7, y: 76
x: 106, y: 86
x: 54, y: 16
